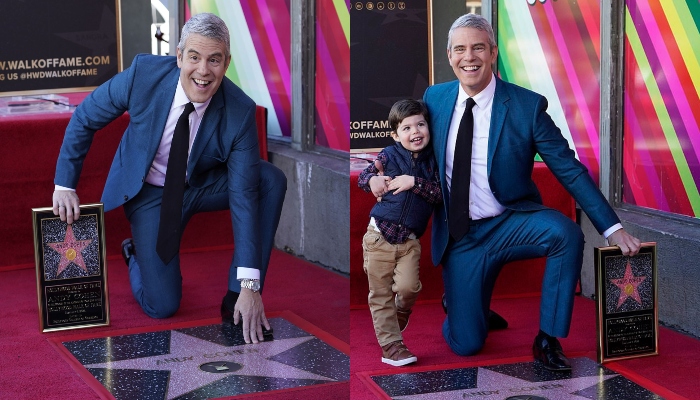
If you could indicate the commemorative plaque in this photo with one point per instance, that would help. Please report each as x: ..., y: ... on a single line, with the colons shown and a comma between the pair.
x: 70, y: 269
x: 626, y: 297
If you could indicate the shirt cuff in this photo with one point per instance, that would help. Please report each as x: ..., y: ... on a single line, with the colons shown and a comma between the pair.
x: 59, y: 187
x: 612, y: 230
x: 247, y: 273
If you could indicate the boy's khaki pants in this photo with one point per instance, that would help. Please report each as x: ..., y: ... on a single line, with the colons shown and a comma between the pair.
x: 391, y: 269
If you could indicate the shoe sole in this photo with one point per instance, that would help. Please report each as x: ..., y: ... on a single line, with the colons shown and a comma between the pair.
x: 548, y: 368
x: 399, y: 363
x: 539, y: 361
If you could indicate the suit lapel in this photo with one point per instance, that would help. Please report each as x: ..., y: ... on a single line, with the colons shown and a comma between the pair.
x: 442, y: 127
x: 161, y: 109
x: 499, y: 110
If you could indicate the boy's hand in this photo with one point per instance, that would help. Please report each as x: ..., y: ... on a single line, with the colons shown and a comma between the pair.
x: 402, y: 183
x: 379, y: 185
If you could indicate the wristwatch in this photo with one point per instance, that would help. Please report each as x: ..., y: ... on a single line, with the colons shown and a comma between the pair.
x: 252, y: 284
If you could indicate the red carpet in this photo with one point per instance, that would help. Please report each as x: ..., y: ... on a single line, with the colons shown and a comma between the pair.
x: 673, y: 371
x: 33, y: 369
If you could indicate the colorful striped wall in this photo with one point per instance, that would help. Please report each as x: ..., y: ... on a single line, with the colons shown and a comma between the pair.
x: 333, y: 74
x: 261, y: 61
x: 553, y: 48
x: 260, y: 55
x: 662, y: 105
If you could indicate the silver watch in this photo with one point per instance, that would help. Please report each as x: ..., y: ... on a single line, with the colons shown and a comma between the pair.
x: 252, y: 284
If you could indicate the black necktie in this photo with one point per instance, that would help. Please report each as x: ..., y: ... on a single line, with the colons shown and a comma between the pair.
x: 174, y: 189
x: 458, y: 217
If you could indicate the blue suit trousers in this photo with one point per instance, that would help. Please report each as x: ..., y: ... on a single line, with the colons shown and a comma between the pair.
x: 156, y: 286
x: 471, y: 266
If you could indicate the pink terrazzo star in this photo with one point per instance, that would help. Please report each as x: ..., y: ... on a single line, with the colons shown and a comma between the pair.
x: 628, y: 286
x: 70, y: 250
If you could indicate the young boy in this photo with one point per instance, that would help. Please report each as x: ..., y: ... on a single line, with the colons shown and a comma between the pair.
x: 405, y: 180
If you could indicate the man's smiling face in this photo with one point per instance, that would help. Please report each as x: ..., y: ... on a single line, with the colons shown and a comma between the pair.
x: 203, y: 64
x: 471, y: 58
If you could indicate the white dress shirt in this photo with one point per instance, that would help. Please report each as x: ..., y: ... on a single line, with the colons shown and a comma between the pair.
x: 482, y: 203
x: 156, y: 175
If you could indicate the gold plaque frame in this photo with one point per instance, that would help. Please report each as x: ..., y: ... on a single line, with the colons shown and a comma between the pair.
x: 71, y: 274
x: 626, y: 301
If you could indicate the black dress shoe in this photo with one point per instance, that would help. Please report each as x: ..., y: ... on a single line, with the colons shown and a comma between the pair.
x: 227, y: 318
x: 548, y: 351
x: 495, y: 321
x: 128, y: 250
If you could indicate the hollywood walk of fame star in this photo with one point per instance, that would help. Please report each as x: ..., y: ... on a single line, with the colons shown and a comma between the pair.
x: 628, y: 286
x: 188, y: 353
x: 492, y: 384
x: 70, y: 250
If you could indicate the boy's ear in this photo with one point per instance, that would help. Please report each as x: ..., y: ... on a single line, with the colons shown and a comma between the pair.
x: 395, y: 136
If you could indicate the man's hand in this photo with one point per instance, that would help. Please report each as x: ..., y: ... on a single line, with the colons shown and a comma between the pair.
x: 250, y: 309
x: 629, y: 244
x: 66, y: 204
x: 401, y: 183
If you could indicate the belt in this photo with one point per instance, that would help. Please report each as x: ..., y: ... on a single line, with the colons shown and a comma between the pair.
x: 482, y: 220
x: 374, y: 228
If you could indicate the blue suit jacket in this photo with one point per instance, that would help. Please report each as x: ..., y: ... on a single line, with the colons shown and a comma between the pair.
x: 226, y: 143
x: 520, y: 128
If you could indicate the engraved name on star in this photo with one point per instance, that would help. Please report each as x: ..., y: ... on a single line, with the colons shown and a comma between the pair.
x: 188, y: 353
x: 70, y: 250
x: 495, y: 385
x: 628, y: 286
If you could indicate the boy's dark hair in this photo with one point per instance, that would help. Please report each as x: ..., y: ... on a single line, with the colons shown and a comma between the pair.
x: 406, y: 108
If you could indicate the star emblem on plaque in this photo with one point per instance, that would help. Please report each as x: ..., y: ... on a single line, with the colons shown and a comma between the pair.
x: 70, y: 251
x: 629, y: 286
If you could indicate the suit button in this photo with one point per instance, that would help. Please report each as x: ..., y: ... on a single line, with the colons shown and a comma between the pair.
x: 143, y: 179
x: 126, y: 197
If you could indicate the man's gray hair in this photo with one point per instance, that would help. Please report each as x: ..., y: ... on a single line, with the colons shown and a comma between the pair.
x: 472, y: 21
x: 207, y: 25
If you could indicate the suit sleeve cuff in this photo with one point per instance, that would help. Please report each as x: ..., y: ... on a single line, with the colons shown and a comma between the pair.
x: 612, y: 230
x: 59, y: 187
x: 247, y: 273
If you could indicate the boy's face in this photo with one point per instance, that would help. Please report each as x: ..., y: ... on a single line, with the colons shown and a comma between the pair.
x: 413, y: 133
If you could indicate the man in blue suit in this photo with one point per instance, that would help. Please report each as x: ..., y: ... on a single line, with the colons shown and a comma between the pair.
x: 223, y: 170
x: 506, y: 220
